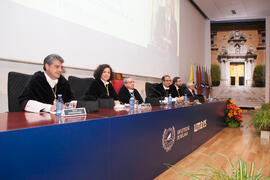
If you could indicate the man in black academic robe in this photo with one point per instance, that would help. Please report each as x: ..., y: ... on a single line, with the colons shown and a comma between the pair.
x: 127, y: 89
x: 41, y: 92
x: 191, y: 95
x: 177, y: 88
x: 162, y: 90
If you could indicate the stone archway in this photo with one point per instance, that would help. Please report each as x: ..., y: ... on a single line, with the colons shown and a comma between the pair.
x: 237, y: 53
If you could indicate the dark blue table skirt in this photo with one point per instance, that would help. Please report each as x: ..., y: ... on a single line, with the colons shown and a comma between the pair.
x: 125, y: 147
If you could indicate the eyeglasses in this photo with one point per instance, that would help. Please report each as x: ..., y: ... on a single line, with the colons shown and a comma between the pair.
x: 168, y: 80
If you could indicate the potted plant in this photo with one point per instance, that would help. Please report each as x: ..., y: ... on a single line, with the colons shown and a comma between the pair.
x: 261, y: 122
x: 233, y: 116
x: 259, y: 76
x: 215, y: 74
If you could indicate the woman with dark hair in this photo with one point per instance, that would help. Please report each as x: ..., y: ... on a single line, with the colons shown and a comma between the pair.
x: 102, y: 87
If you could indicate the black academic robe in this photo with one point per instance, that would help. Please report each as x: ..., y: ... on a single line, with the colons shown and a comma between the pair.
x: 194, y: 96
x: 160, y: 92
x: 182, y: 89
x: 98, y: 90
x: 175, y: 92
x: 191, y: 96
x: 38, y: 89
x: 124, y: 95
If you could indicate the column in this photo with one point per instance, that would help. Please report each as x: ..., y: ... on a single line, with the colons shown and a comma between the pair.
x: 227, y: 69
x: 248, y: 73
x: 252, y: 66
x: 223, y: 72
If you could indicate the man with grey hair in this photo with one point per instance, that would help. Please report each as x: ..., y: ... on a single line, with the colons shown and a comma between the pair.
x: 191, y: 93
x: 42, y: 90
x: 125, y: 92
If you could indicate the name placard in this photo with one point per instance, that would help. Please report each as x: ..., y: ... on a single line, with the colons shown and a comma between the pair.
x: 74, y: 112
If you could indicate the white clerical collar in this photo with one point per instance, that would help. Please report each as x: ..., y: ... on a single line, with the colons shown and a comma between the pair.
x: 51, y: 82
x: 166, y: 88
x: 105, y: 83
x: 131, y: 91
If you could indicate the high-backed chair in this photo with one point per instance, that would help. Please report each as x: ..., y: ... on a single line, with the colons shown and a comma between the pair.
x: 117, y: 85
x: 79, y: 85
x: 150, y: 90
x: 16, y: 84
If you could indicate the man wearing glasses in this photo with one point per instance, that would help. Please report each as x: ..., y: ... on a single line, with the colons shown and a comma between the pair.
x: 163, y: 89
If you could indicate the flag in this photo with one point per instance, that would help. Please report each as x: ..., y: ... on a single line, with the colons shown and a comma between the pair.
x: 210, y: 84
x: 199, y: 87
x: 206, y: 83
x: 202, y: 81
x: 195, y: 78
x: 191, y: 79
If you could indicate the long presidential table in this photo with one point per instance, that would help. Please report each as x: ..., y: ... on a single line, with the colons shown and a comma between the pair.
x: 104, y: 145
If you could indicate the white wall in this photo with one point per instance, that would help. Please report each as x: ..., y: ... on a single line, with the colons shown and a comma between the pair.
x: 194, y: 39
x: 207, y: 45
x: 267, y: 60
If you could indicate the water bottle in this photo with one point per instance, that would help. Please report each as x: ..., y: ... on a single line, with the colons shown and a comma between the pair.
x: 209, y: 96
x: 170, y: 99
x: 59, y: 105
x: 131, y: 102
x: 185, y: 98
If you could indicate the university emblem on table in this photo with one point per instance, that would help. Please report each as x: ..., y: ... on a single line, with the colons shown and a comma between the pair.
x: 168, y: 138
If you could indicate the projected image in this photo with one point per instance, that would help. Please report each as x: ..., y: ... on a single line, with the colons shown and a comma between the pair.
x: 142, y: 22
x: 124, y: 19
x: 165, y: 23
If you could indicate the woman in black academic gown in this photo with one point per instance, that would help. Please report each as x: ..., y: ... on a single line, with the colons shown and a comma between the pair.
x: 102, y: 87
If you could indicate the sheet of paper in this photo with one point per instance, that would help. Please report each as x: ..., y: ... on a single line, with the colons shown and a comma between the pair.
x: 34, y: 106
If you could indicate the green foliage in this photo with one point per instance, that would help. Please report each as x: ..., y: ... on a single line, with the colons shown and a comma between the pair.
x: 261, y: 119
x: 266, y: 106
x: 259, y: 76
x: 215, y: 74
x: 239, y: 171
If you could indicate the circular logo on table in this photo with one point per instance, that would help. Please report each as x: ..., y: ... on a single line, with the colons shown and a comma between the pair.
x: 168, y: 138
